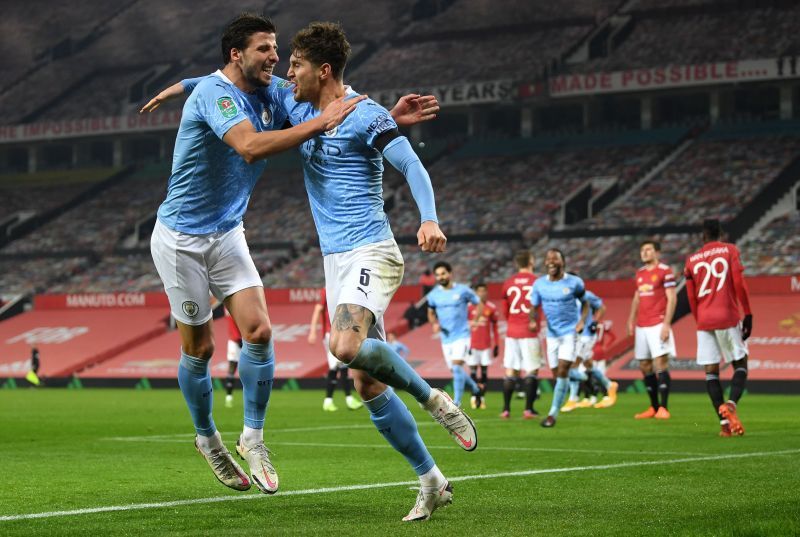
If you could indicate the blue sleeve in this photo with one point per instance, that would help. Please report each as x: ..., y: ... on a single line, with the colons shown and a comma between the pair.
x: 372, y: 120
x: 534, y: 297
x: 594, y: 300
x: 431, y: 300
x: 580, y: 290
x: 190, y: 83
x: 471, y: 296
x: 217, y: 107
x: 400, y: 155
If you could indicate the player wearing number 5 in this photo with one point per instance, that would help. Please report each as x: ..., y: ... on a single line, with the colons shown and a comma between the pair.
x: 651, y: 314
x: 716, y: 288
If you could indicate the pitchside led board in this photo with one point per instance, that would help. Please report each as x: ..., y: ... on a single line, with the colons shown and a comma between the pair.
x: 125, y: 335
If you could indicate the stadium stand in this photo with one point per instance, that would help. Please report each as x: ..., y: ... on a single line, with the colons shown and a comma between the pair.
x: 665, y: 37
x: 20, y: 276
x: 776, y: 250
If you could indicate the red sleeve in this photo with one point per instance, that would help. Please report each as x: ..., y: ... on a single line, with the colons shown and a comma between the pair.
x: 742, y: 293
x: 506, y: 305
x: 690, y: 292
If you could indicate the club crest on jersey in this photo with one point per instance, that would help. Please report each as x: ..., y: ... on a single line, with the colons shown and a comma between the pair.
x: 331, y: 133
x: 565, y: 290
x: 190, y: 308
x: 266, y: 116
x: 227, y: 107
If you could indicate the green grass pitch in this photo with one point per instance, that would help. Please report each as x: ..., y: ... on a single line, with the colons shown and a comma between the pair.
x: 598, y: 472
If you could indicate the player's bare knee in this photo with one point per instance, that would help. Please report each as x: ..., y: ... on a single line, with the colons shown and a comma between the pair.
x: 203, y: 350
x: 260, y: 333
x: 646, y: 366
x: 344, y: 347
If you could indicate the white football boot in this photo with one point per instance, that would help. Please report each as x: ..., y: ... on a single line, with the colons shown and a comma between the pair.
x: 225, y: 468
x: 261, y: 470
x: 442, y: 408
x: 428, y: 502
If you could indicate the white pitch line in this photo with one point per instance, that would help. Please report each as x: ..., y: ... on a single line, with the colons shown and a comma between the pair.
x: 346, y: 488
x: 183, y: 438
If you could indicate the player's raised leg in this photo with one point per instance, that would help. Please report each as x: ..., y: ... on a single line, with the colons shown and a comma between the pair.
x: 256, y: 371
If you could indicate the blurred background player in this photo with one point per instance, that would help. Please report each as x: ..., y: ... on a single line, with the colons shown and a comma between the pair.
x: 650, y: 321
x: 523, y: 350
x: 398, y: 346
x: 234, y: 352
x: 556, y: 294
x: 584, y: 354
x: 484, y: 341
x: 337, y: 371
x: 447, y: 313
x: 716, y: 288
x: 33, y: 374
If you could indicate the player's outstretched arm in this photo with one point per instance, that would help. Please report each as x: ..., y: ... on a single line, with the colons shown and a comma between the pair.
x: 412, y: 109
x: 433, y: 320
x: 253, y: 146
x: 173, y: 92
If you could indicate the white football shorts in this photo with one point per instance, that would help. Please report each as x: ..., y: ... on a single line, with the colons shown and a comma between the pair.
x: 714, y: 345
x: 479, y: 357
x: 368, y: 276
x: 191, y: 266
x: 561, y: 348
x: 522, y: 354
x: 648, y: 344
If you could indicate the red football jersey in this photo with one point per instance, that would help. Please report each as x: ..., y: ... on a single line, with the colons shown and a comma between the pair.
x: 233, y: 330
x: 517, y: 305
x: 326, y: 321
x: 605, y: 339
x: 651, y: 286
x: 715, y: 283
x: 481, y: 337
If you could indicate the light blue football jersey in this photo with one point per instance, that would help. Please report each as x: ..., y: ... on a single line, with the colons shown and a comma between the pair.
x: 210, y: 184
x: 451, y: 310
x: 344, y: 177
x: 595, y: 303
x: 557, y: 299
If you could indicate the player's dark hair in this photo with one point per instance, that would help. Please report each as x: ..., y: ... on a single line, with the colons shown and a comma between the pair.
x: 656, y: 245
x: 323, y: 42
x: 479, y: 285
x: 523, y: 258
x: 712, y: 229
x: 563, y: 257
x: 238, y: 32
x: 443, y: 264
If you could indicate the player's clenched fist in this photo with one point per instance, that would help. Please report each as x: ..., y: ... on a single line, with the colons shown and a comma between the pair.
x: 430, y: 238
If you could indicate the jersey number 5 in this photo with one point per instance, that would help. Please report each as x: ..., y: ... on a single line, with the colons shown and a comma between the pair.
x: 364, y: 280
x: 718, y: 268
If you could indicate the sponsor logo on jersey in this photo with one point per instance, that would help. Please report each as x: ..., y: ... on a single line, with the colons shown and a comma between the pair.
x: 380, y: 124
x: 190, y: 308
x: 284, y: 84
x: 227, y: 107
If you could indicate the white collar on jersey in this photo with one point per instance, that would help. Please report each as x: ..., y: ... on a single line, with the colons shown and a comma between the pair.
x: 220, y: 74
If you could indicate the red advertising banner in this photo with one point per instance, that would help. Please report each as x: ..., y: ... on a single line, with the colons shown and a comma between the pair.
x: 670, y: 76
x: 69, y: 340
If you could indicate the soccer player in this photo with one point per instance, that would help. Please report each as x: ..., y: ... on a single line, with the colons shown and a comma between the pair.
x: 198, y: 242
x: 484, y: 340
x: 651, y: 314
x: 556, y: 294
x: 397, y: 346
x: 717, y: 289
x: 33, y: 374
x: 447, y: 313
x: 237, y: 104
x: 336, y: 369
x: 234, y: 353
x: 523, y: 350
x: 584, y: 354
x: 363, y: 265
